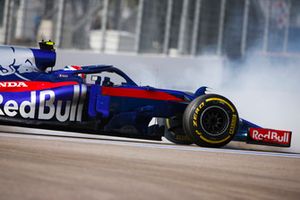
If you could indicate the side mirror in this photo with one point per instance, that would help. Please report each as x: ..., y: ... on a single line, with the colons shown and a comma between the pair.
x: 94, y: 78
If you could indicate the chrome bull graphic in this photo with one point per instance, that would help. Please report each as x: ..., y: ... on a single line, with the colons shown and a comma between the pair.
x: 16, y: 61
x: 23, y: 62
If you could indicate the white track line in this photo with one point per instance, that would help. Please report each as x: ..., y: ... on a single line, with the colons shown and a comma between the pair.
x: 149, y: 145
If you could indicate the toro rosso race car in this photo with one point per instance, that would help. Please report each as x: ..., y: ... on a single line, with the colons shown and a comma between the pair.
x: 86, y: 99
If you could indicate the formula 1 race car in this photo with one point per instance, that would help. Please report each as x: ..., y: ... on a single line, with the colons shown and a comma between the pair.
x: 104, y: 100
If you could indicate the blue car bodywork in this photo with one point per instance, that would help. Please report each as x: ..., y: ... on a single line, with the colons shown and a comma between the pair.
x: 62, y: 100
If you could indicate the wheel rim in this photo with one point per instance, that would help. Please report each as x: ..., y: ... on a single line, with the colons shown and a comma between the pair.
x: 214, y: 120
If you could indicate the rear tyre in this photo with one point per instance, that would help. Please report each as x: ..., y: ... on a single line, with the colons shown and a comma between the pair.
x: 211, y: 120
x: 174, y: 131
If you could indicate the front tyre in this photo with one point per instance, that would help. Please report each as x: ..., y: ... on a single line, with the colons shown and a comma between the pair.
x: 211, y: 120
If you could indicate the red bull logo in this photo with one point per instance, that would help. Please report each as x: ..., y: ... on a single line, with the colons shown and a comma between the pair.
x: 269, y: 136
x: 45, y: 104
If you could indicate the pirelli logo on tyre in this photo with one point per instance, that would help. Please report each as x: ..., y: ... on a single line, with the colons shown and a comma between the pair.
x: 233, y: 124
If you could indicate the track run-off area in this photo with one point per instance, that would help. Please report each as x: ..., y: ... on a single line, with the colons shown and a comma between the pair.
x: 43, y: 164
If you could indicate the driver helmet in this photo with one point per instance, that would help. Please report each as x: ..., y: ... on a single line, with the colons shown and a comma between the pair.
x: 73, y: 68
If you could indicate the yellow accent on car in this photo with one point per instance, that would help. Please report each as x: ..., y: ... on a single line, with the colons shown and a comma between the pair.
x: 222, y: 100
x: 201, y: 105
x: 50, y: 43
x: 168, y: 123
x: 198, y: 132
x: 214, y: 142
x: 233, y: 124
x: 195, y: 124
x: 195, y: 116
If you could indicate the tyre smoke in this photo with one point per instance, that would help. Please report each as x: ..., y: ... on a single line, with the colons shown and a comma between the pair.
x: 265, y: 90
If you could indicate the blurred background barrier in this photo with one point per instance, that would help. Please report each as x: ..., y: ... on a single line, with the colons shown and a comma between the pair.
x: 167, y: 27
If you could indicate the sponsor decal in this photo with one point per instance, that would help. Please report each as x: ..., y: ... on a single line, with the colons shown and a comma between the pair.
x: 233, y: 124
x: 269, y: 137
x: 61, y: 104
x: 195, y: 116
x: 15, y: 84
x: 23, y: 86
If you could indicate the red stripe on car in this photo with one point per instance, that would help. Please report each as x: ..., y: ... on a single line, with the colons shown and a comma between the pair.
x: 139, y: 93
x: 23, y: 86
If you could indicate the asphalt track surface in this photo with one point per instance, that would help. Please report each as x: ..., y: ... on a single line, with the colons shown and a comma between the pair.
x: 41, y: 164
